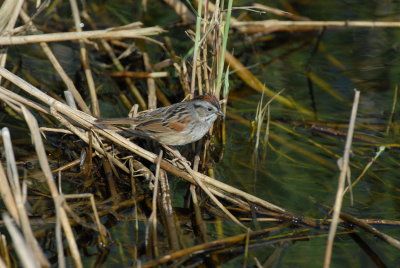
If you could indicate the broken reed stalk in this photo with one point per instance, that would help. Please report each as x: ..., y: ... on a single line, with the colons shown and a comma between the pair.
x: 151, y: 83
x: 268, y: 26
x: 139, y: 75
x: 141, y: 33
x: 341, y: 183
x: 168, y: 212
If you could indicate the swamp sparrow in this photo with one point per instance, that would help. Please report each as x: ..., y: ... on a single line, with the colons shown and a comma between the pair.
x: 177, y: 124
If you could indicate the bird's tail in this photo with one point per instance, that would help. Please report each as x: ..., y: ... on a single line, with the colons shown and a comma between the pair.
x: 116, y: 121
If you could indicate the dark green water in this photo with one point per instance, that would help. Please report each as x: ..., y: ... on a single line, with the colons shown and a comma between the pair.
x: 369, y: 62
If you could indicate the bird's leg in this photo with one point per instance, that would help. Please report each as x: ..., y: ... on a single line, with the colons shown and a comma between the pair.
x: 176, y: 154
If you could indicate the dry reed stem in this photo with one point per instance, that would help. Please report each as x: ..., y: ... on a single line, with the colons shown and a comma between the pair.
x: 153, y: 216
x: 204, y: 65
x: 69, y: 165
x: 212, y: 8
x: 140, y: 74
x: 206, y: 247
x: 4, y: 250
x: 197, y: 45
x: 19, y: 199
x: 69, y: 36
x: 56, y: 130
x: 365, y: 224
x: 343, y: 173
x: 26, y: 255
x: 11, y: 95
x: 151, y: 84
x: 69, y: 99
x: 198, y: 216
x: 100, y: 227
x: 246, y: 248
x: 367, y: 227
x: 11, y: 103
x: 7, y: 196
x: 57, y: 66
x: 9, y: 15
x: 7, y: 21
x: 278, y: 12
x: 44, y: 164
x: 135, y: 211
x: 3, y: 264
x: 168, y: 211
x: 109, y: 170
x: 258, y: 263
x: 85, y: 61
x: 269, y: 26
x: 182, y: 10
x: 222, y: 57
x: 58, y: 230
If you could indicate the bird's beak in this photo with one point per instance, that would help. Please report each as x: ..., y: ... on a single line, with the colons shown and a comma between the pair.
x: 220, y: 113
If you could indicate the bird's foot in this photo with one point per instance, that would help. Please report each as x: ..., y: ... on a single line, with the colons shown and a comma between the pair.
x: 177, y: 157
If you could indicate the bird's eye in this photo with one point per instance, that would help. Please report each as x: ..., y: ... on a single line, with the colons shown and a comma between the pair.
x: 209, y: 109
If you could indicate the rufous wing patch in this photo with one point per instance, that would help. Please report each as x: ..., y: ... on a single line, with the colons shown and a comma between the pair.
x: 176, y: 126
x: 154, y: 126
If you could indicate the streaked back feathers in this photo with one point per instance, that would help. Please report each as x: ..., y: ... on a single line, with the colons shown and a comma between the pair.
x: 177, y: 124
